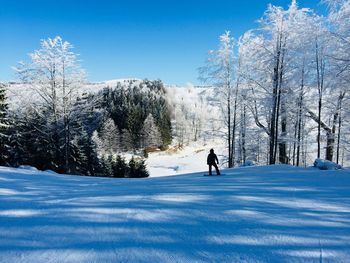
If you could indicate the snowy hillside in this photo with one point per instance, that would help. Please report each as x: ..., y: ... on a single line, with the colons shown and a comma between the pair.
x: 18, y: 93
x: 256, y: 214
x: 195, y: 123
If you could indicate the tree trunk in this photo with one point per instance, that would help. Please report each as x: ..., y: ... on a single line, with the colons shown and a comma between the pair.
x: 330, y: 132
x: 243, y: 123
x: 299, y: 135
x: 330, y: 146
x: 320, y: 66
x: 295, y: 140
x: 300, y: 113
x: 273, y: 127
x: 282, y: 143
x: 319, y: 128
x: 229, y: 131
x: 339, y: 133
x: 234, y: 125
x: 233, y: 146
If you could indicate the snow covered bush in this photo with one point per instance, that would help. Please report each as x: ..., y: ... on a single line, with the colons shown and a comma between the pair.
x: 326, y: 165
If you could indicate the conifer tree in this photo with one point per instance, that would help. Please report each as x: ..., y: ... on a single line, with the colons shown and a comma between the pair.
x: 120, y: 168
x: 4, y: 126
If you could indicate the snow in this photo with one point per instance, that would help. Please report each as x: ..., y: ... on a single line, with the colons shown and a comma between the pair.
x: 28, y: 167
x: 253, y: 214
x: 326, y: 165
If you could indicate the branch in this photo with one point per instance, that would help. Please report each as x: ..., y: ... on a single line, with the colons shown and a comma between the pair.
x: 254, y: 110
x: 314, y: 117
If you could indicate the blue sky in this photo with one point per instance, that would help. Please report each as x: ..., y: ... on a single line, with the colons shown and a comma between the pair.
x: 153, y: 39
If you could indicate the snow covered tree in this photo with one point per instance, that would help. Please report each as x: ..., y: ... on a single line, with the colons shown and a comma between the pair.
x: 339, y: 19
x: 55, y: 75
x: 271, y: 58
x: 108, y: 139
x: 220, y: 71
x: 331, y: 38
x: 151, y: 136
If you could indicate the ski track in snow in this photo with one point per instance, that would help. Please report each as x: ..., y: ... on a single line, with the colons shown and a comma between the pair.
x: 253, y: 214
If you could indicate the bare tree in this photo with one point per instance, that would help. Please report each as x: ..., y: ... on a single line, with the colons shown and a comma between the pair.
x: 220, y: 71
x: 56, y: 76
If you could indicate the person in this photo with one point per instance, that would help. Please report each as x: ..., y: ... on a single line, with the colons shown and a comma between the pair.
x: 212, y: 160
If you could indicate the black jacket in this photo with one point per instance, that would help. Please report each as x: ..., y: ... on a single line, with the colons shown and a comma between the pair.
x: 212, y: 158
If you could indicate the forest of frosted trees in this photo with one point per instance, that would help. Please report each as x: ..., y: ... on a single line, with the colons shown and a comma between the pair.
x: 65, y: 129
x: 285, y: 86
x: 283, y: 92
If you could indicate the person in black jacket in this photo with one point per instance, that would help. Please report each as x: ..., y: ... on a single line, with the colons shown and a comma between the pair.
x: 212, y: 160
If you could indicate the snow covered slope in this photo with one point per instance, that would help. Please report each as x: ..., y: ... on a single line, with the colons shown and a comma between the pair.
x: 192, y: 158
x: 253, y: 214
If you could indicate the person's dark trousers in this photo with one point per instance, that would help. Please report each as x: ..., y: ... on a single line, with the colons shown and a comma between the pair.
x: 216, y: 168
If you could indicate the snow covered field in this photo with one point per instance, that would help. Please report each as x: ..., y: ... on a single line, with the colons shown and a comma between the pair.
x: 253, y: 214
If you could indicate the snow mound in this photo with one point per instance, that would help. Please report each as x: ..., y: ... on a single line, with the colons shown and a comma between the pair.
x: 326, y: 165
